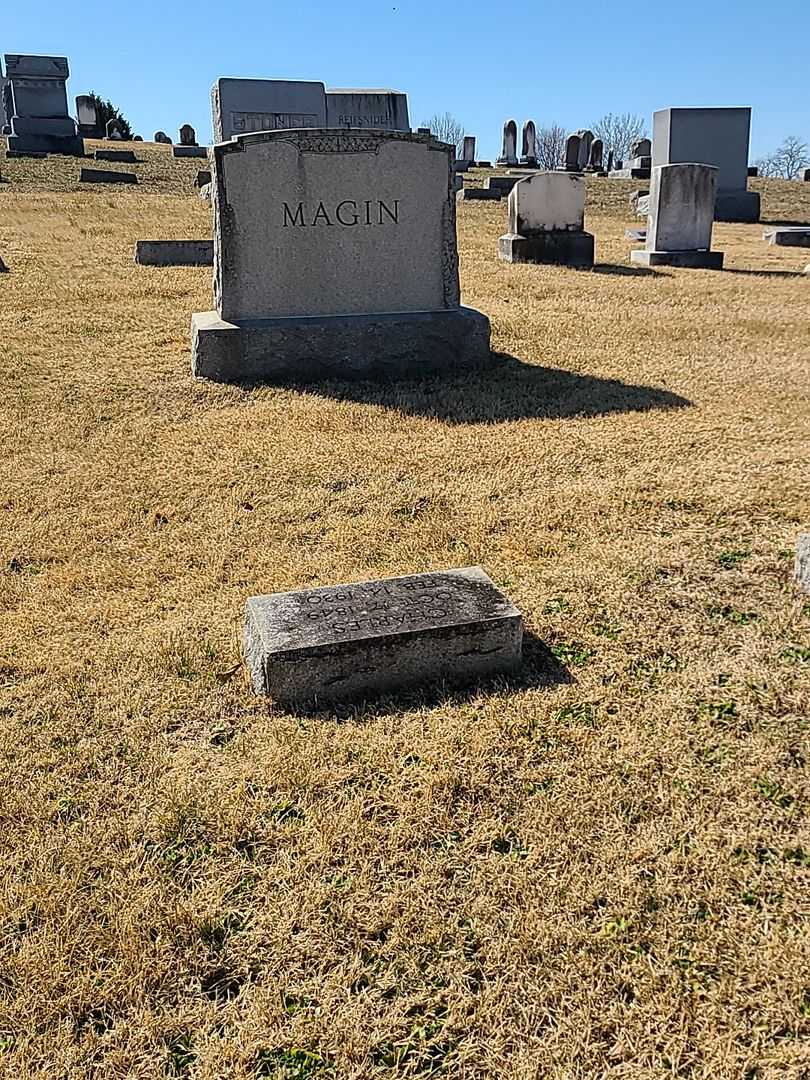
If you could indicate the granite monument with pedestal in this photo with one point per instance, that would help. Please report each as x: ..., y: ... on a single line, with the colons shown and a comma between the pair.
x: 334, y: 257
x: 341, y: 643
x: 712, y: 136
x: 37, y: 95
x: 546, y: 219
x: 680, y: 218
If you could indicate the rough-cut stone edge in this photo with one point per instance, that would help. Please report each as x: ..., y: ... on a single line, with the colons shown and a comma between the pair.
x: 343, y: 347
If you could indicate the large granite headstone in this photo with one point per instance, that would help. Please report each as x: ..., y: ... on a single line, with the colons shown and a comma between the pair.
x: 354, y: 641
x: 680, y: 218
x: 545, y: 225
x: 241, y: 106
x: 711, y: 136
x: 335, y: 257
x: 39, y: 121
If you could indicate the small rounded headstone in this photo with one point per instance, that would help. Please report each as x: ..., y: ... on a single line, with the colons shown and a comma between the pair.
x: 114, y: 129
x: 188, y: 136
x: 161, y: 137
x: 137, y: 138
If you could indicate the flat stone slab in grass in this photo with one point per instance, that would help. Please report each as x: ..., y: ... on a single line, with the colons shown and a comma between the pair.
x: 354, y: 641
x: 174, y: 252
x: 116, y: 155
x: 802, y: 568
x: 190, y: 151
x: 788, y: 237
x: 483, y: 194
x: 106, y: 176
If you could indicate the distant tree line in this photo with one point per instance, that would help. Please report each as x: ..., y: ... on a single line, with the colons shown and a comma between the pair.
x: 788, y: 161
x: 105, y: 110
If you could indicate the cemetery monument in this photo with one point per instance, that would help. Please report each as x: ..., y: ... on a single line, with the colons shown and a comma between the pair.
x: 546, y: 222
x: 680, y: 218
x: 37, y: 96
x: 335, y: 256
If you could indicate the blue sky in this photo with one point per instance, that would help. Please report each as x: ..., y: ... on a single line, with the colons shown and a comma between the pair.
x: 481, y: 60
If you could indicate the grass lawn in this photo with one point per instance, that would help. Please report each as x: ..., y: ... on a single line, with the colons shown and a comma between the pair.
x: 599, y: 869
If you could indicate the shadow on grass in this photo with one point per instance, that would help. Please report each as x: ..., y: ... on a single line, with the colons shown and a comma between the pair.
x: 539, y: 669
x: 509, y: 390
x: 628, y: 271
x: 769, y: 273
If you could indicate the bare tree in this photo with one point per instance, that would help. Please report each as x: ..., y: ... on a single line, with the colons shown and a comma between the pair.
x: 549, y: 146
x: 446, y: 128
x: 788, y: 161
x: 619, y: 131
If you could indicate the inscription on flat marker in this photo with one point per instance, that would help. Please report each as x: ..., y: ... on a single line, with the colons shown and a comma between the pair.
x: 351, y: 641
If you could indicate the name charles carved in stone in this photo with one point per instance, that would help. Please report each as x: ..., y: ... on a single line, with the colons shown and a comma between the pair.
x: 348, y: 213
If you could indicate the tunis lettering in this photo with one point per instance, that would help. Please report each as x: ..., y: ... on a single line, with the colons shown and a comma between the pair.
x: 347, y: 213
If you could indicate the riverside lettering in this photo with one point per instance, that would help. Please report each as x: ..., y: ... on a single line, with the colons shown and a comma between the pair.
x: 347, y: 213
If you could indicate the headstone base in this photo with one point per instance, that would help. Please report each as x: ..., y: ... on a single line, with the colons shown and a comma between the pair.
x: 481, y: 194
x: 190, y: 151
x: 36, y: 145
x: 359, y: 640
x: 630, y: 174
x: 554, y: 248
x: 174, y: 252
x: 693, y: 260
x: 737, y: 206
x: 309, y: 349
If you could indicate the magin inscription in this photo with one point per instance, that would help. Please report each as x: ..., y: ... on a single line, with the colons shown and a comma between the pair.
x: 348, y: 212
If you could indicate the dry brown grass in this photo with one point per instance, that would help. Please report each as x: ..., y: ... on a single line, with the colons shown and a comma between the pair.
x: 606, y: 877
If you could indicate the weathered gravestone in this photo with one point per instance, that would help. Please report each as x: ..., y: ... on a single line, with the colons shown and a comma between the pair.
x: 595, y: 156
x: 384, y: 110
x: 335, y: 257
x: 611, y: 156
x: 468, y: 149
x: 188, y: 136
x: 807, y: 176
x: 174, y: 252
x: 241, y: 106
x: 360, y: 640
x: 529, y: 145
x: 114, y: 130
x: 161, y: 137
x: 39, y: 121
x: 106, y: 176
x: 87, y: 117
x: 572, y: 153
x: 681, y: 214
x: 6, y: 109
x: 546, y: 216
x: 711, y: 136
x: 585, y: 141
x: 115, y: 155
x: 509, y: 148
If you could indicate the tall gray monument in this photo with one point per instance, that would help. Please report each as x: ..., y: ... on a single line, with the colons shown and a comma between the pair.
x: 509, y: 147
x: 39, y: 121
x: 711, y: 136
x: 335, y: 256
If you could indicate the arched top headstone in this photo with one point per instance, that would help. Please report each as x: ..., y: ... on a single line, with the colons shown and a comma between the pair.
x: 188, y: 136
x: 509, y: 149
x: 585, y: 140
x: 529, y: 144
x: 572, y: 145
x: 161, y: 137
x: 640, y: 148
x: 596, y: 155
x: 114, y: 129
